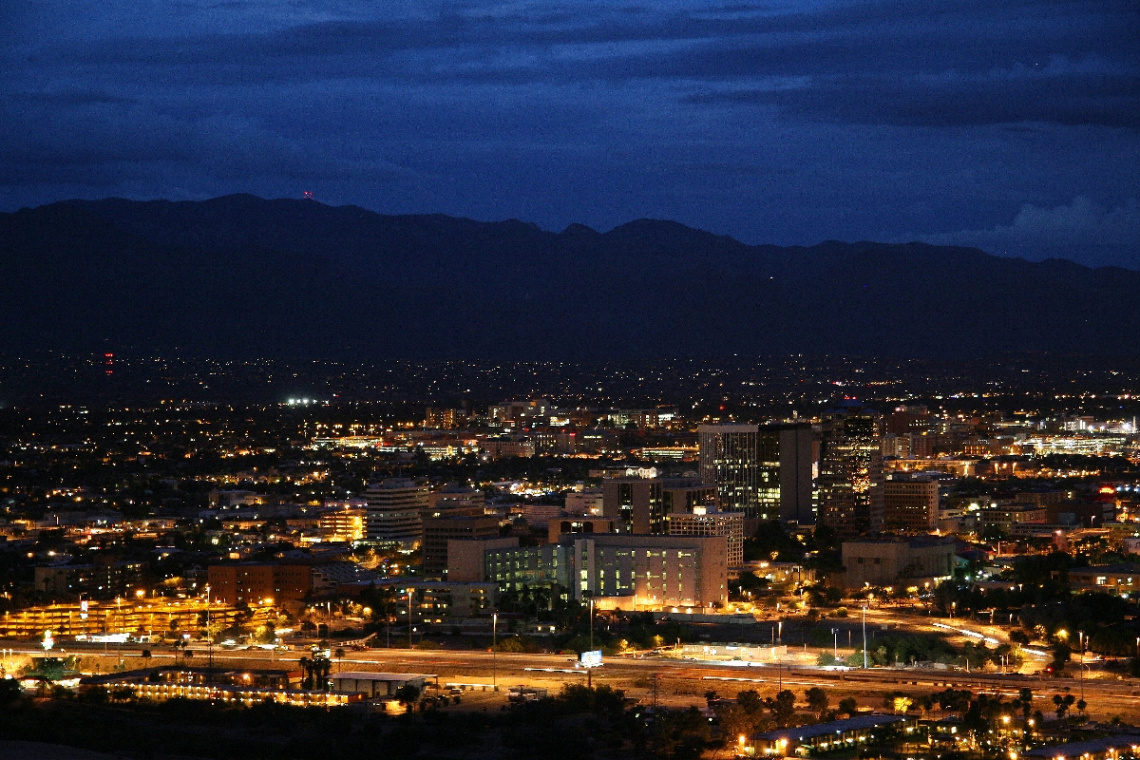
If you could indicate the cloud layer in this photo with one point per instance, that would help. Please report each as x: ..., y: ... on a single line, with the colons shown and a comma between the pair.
x: 785, y: 122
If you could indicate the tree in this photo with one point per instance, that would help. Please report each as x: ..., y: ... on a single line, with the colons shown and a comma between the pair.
x: 750, y: 701
x: 322, y: 668
x: 122, y: 694
x: 9, y: 691
x: 307, y: 668
x: 954, y: 700
x: 783, y: 708
x: 848, y: 707
x: 901, y: 704
x: 817, y: 700
x: 1063, y: 703
x: 407, y: 696
x: 1062, y: 653
x: 1024, y: 701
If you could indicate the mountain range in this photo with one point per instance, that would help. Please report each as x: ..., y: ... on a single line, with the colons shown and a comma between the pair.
x: 242, y: 276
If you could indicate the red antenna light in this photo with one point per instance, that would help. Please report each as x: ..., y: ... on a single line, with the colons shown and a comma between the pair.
x: 308, y: 195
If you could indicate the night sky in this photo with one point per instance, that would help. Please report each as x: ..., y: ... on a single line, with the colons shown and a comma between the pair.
x: 1006, y: 124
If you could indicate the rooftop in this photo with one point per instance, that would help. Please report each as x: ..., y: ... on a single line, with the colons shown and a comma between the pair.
x: 1090, y: 747
x: 856, y: 723
x: 360, y: 675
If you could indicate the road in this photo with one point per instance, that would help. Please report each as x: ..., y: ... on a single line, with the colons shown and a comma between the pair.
x: 675, y: 681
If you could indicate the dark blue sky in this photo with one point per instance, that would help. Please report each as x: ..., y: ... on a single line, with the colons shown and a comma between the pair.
x: 1006, y: 124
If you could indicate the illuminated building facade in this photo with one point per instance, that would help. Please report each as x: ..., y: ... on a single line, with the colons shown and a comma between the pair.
x: 652, y: 571
x: 343, y: 525
x: 258, y: 583
x: 764, y: 471
x: 730, y: 460
x: 851, y: 470
x: 146, y: 617
x: 392, y: 515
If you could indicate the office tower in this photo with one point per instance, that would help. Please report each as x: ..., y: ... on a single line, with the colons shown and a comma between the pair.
x: 453, y: 501
x: 730, y: 460
x: 851, y: 469
x: 393, y: 511
x: 762, y: 470
x: 640, y: 505
x: 438, y: 531
x: 795, y: 461
x: 910, y: 504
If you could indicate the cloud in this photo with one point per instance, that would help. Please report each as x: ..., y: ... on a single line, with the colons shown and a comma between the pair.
x: 1083, y: 230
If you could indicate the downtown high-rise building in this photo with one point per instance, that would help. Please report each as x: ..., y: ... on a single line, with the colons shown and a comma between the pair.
x: 764, y: 471
x: 850, y: 479
x: 641, y: 505
x: 393, y: 512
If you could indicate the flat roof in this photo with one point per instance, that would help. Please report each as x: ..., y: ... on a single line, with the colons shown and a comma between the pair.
x: 1123, y: 569
x: 358, y: 675
x: 855, y: 723
x: 1092, y: 746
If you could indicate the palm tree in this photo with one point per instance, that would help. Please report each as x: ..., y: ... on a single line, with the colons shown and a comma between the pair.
x: 339, y: 653
x: 1025, y: 702
x: 307, y: 667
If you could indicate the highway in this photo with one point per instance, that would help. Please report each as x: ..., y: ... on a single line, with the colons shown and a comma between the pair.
x: 674, y: 679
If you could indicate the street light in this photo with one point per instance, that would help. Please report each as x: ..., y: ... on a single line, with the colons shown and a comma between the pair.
x: 494, y: 655
x: 590, y: 666
x: 591, y: 623
x: 209, y: 640
x: 835, y: 643
x: 864, y: 637
x: 1082, y: 641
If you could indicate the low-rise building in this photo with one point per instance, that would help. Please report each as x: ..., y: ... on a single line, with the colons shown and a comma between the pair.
x: 376, y: 685
x: 1007, y: 518
x: 1123, y: 579
x: 831, y: 736
x: 345, y: 525
x: 633, y: 572
x: 102, y: 579
x: 889, y: 561
x: 260, y: 582
x: 652, y: 572
x: 1103, y: 748
x: 145, y: 618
